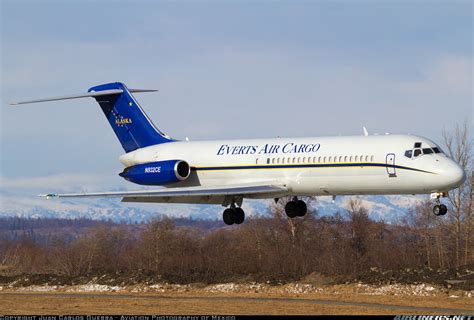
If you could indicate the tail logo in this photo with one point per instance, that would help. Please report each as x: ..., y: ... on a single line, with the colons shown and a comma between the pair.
x: 122, y: 121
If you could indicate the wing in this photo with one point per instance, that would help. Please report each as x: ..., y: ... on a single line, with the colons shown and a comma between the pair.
x: 217, y: 195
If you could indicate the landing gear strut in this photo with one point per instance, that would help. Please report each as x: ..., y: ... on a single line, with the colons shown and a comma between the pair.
x: 295, y: 208
x: 439, y: 209
x: 233, y: 215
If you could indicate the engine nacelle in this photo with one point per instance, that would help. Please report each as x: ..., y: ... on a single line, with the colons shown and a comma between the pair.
x: 157, y: 173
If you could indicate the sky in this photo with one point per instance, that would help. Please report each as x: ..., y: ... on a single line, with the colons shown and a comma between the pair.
x: 236, y: 69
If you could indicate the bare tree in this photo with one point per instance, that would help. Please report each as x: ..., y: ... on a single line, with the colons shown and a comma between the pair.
x: 459, y: 147
x: 468, y: 244
x: 278, y: 210
x: 359, y: 231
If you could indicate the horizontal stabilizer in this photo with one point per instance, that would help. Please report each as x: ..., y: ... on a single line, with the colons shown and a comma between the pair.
x: 91, y: 94
x: 142, y: 90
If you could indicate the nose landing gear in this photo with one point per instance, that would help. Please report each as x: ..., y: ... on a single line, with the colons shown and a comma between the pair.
x: 439, y: 209
x: 296, y: 208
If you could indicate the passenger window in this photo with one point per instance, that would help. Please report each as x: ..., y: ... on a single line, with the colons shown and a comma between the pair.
x: 417, y: 152
x: 372, y: 158
x: 268, y: 160
x: 314, y: 159
x: 278, y: 160
x: 324, y: 159
x: 329, y: 159
x: 304, y: 159
x: 366, y: 158
x: 350, y: 158
x: 356, y: 158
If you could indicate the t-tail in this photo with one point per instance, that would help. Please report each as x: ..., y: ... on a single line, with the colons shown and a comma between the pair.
x: 131, y: 125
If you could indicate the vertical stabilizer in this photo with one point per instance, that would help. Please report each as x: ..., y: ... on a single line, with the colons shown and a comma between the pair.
x: 132, y: 126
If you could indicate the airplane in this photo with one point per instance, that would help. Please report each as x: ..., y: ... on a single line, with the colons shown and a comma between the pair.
x: 227, y: 171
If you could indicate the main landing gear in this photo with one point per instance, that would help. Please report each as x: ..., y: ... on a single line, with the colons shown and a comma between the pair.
x: 295, y: 208
x: 233, y: 215
x: 439, y: 209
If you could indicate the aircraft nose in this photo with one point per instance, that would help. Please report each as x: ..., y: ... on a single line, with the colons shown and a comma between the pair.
x: 455, y: 174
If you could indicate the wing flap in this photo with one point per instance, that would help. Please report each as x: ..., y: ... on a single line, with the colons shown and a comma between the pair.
x: 214, y: 199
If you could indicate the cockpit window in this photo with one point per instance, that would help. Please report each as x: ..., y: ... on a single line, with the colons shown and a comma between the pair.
x: 418, y: 150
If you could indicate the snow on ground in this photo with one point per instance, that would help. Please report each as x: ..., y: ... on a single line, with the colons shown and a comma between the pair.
x: 44, y: 288
x: 233, y: 287
x: 422, y: 289
x: 400, y: 290
x: 94, y: 287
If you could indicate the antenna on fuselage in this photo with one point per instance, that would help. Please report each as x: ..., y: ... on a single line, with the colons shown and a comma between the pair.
x: 366, y: 133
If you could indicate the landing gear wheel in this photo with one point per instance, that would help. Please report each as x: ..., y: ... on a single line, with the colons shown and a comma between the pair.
x: 239, y: 215
x: 228, y: 216
x: 444, y: 209
x: 291, y: 209
x: 440, y: 210
x: 437, y: 210
x: 301, y: 208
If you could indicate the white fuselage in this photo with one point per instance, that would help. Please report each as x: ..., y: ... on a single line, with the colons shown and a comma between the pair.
x: 349, y: 165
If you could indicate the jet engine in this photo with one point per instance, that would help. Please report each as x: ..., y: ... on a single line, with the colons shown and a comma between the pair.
x: 157, y: 173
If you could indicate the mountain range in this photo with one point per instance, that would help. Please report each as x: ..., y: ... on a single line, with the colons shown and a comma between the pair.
x: 17, y: 198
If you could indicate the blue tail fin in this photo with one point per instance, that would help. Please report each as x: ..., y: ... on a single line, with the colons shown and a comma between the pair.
x: 128, y: 120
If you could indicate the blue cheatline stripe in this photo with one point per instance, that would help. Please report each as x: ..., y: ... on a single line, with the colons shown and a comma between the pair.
x: 307, y: 166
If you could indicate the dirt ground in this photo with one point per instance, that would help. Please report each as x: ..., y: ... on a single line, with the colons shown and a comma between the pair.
x: 379, y: 292
x: 14, y: 302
